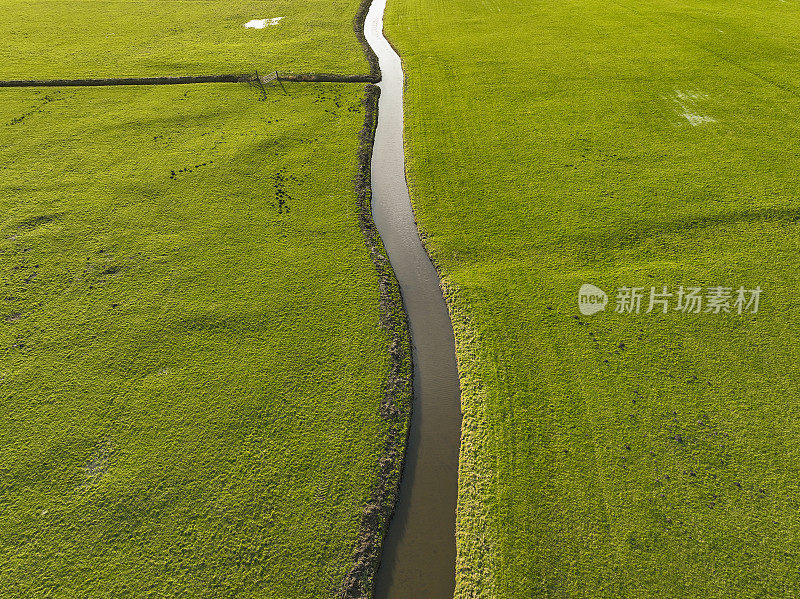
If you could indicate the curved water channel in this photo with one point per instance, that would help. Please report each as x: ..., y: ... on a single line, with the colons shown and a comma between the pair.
x: 419, y: 551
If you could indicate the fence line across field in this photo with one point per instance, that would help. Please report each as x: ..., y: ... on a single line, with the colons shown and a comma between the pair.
x: 266, y: 80
x: 190, y: 79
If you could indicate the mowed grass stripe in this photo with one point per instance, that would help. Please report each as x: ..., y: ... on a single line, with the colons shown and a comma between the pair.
x: 765, y: 30
x: 192, y: 360
x: 554, y: 144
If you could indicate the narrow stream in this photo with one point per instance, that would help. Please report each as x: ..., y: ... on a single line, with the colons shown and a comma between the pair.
x: 419, y: 552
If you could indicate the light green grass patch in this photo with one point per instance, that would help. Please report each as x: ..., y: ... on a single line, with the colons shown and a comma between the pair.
x: 99, y: 38
x: 549, y: 146
x: 191, y: 369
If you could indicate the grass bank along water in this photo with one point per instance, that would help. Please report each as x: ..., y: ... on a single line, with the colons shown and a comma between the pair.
x: 178, y: 398
x: 618, y: 454
x: 419, y: 551
x: 396, y: 406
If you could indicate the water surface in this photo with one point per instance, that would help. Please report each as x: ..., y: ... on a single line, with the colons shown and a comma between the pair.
x: 419, y: 551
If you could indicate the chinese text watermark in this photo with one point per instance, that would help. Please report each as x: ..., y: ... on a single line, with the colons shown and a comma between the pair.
x: 664, y: 299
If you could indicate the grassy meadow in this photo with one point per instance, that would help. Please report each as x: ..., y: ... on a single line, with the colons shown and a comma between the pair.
x: 71, y: 39
x: 192, y: 362
x: 642, y: 144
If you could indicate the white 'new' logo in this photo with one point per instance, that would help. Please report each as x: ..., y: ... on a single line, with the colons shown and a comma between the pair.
x: 591, y: 299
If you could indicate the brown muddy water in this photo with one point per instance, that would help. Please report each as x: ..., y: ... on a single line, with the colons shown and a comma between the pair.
x: 419, y: 551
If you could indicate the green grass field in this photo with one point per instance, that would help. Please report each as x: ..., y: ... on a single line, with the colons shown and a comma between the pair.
x: 100, y: 38
x: 621, y: 144
x: 191, y: 361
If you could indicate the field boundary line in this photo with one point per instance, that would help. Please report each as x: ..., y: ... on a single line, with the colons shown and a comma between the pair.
x: 328, y: 78
x: 179, y: 80
x: 188, y: 79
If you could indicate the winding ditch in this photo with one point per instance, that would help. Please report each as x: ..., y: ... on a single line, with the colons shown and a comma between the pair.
x: 419, y: 551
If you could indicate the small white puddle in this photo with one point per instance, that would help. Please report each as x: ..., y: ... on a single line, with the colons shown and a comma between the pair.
x: 688, y: 102
x: 261, y: 23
